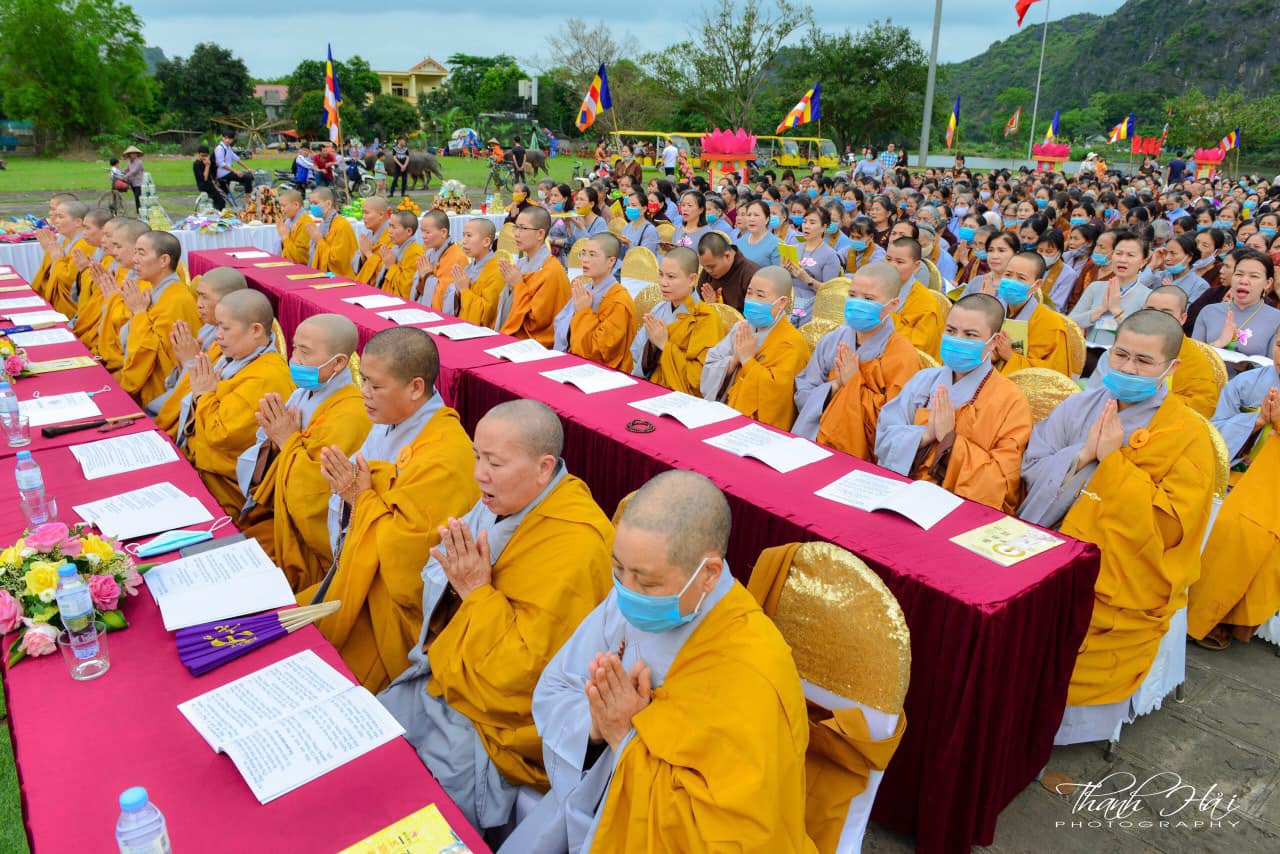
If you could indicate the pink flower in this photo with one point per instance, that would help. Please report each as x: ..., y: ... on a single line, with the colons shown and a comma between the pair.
x: 10, y: 612
x: 15, y: 365
x: 71, y: 547
x: 105, y: 592
x: 45, y: 537
x: 132, y: 581
x: 39, y: 639
x: 1243, y: 336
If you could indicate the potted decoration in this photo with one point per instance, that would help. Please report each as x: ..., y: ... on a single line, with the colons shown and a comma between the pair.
x: 13, y: 360
x: 1050, y: 155
x: 730, y: 150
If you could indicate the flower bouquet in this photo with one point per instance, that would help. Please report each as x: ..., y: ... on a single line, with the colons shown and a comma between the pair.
x: 452, y: 198
x: 13, y: 360
x: 29, y: 580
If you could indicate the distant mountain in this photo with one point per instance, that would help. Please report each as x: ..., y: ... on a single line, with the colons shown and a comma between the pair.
x: 154, y: 56
x: 1149, y: 48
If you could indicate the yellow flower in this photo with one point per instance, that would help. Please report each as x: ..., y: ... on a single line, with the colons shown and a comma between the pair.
x: 95, y: 545
x: 12, y: 556
x: 42, y: 576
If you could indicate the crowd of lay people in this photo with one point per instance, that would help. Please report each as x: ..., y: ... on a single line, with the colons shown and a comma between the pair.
x: 529, y: 643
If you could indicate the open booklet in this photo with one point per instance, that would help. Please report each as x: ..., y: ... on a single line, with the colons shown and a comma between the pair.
x: 289, y: 723
x: 922, y: 502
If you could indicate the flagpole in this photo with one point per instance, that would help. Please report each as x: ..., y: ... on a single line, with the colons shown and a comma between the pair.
x: 1035, y: 109
x: 931, y: 80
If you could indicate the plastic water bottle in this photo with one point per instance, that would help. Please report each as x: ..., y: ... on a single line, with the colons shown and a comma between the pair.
x: 8, y: 401
x: 31, y: 488
x: 75, y: 607
x: 140, y: 828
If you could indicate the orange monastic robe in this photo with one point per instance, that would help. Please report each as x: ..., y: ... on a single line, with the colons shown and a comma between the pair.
x: 478, y: 303
x: 765, y: 387
x: 604, y: 336
x: 372, y: 265
x: 536, y: 302
x: 443, y: 271
x: 689, y: 338
x: 54, y: 280
x: 393, y: 528
x: 167, y: 418
x: 921, y: 319
x: 89, y: 307
x: 1240, y: 571
x: 849, y: 422
x: 1047, y: 345
x: 113, y: 316
x: 1146, y: 508
x: 399, y: 277
x: 148, y: 356
x: 337, y: 250
x: 296, y: 246
x: 222, y: 424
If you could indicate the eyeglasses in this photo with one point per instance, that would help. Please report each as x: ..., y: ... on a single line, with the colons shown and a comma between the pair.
x: 519, y: 227
x: 590, y: 253
x: 1120, y: 357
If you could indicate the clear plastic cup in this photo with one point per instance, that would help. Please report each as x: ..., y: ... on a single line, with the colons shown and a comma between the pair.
x: 17, y: 430
x: 91, y: 666
x: 40, y: 511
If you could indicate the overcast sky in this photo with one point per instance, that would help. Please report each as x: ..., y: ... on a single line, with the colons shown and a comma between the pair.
x: 273, y: 37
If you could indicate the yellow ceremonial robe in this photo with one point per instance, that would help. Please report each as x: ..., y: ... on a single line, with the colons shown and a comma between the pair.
x: 148, y: 355
x: 849, y: 422
x: 167, y: 418
x: 921, y: 319
x: 89, y: 307
x: 336, y: 251
x: 717, y: 761
x: 297, y: 245
x: 765, y: 387
x: 535, y: 303
x: 1146, y: 508
x: 372, y: 265
x: 1240, y: 570
x: 294, y: 495
x: 604, y: 336
x: 1047, y: 345
x: 113, y: 317
x: 222, y: 425
x: 689, y: 338
x: 478, y: 304
x: 451, y: 257
x: 1193, y: 379
x: 54, y: 279
x: 399, y: 277
x: 486, y: 660
x: 393, y: 528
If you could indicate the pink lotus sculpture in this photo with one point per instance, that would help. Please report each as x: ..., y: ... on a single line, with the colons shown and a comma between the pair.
x: 725, y: 142
x: 1051, y: 149
x: 1210, y: 155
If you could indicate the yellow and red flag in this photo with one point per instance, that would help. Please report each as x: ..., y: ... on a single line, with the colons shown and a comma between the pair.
x: 332, y: 100
x: 953, y: 122
x: 808, y: 109
x: 597, y: 101
x: 1011, y: 126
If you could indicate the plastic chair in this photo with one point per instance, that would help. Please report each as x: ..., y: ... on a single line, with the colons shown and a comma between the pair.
x: 575, y: 254
x: 926, y: 361
x: 507, y: 239
x: 647, y: 299
x: 829, y: 305
x: 729, y: 316
x: 355, y: 370
x: 935, y: 276
x: 817, y: 329
x: 1044, y: 389
x: 281, y: 344
x: 640, y: 263
x: 1076, y: 351
x: 1215, y: 362
x: 616, y: 225
x: 666, y: 232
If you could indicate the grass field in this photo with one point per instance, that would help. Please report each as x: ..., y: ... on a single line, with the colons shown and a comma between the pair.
x: 13, y: 838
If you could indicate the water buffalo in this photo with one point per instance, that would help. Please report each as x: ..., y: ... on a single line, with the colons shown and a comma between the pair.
x: 534, y: 160
x: 421, y: 167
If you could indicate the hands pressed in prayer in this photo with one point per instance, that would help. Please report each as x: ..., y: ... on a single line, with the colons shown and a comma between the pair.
x: 581, y: 297
x: 423, y: 266
x: 184, y: 344
x: 81, y: 259
x: 1111, y: 433
x: 1269, y: 412
x: 314, y: 231
x: 656, y: 330
x: 745, y: 344
x: 203, y: 379
x: 1003, y: 346
x: 708, y: 293
x: 282, y: 228
x: 366, y: 245
x: 278, y: 421
x: 990, y: 284
x: 846, y: 365
x: 348, y: 480
x: 1112, y: 303
x: 135, y: 298
x: 510, y: 272
x: 387, y: 255
x: 460, y: 280
x: 464, y: 559
x: 106, y: 282
x: 615, y: 696
x: 942, y: 415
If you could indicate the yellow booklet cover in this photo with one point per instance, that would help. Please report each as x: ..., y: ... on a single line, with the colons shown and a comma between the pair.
x: 423, y: 832
x: 1017, y: 332
x: 296, y: 277
x: 1007, y: 541
x: 266, y: 264
x: 788, y: 252
x: 60, y: 364
x: 9, y: 289
x: 326, y: 287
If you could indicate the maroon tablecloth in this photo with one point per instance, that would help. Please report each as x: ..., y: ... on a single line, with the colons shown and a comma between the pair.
x: 992, y: 648
x: 78, y: 745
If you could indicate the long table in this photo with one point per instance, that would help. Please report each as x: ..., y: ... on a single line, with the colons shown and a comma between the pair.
x: 992, y: 648
x: 84, y: 743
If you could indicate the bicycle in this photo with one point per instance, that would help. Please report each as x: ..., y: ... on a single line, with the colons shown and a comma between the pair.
x: 112, y: 200
x: 501, y: 176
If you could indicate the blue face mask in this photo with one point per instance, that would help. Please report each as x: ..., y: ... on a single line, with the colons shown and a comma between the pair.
x: 558, y: 207
x: 316, y: 211
x: 1239, y: 243
x: 1029, y: 247
x: 774, y: 221
x: 1013, y: 292
x: 1175, y: 269
x: 656, y: 613
x: 1130, y: 388
x: 962, y: 354
x: 862, y: 315
x: 980, y: 254
x: 797, y: 221
x: 966, y: 233
x: 858, y: 245
x: 1110, y: 212
x: 308, y: 376
x: 633, y: 213
x: 1267, y: 232
x: 1250, y: 204
x: 757, y: 312
x: 832, y: 228
x: 1202, y: 226
x: 711, y: 218
x: 1042, y: 203
x: 849, y: 207
x: 813, y: 192
x: 1078, y: 220
x: 1099, y: 258
x: 1222, y: 224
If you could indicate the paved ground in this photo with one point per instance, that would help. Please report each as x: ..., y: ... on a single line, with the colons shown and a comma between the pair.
x: 1225, y: 735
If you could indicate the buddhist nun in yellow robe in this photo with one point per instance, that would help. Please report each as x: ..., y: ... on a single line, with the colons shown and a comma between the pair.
x: 295, y: 242
x: 148, y: 355
x: 376, y: 218
x: 286, y: 504
x: 537, y: 285
x: 509, y: 583
x: 88, y: 298
x: 433, y: 272
x: 476, y: 288
x: 187, y: 344
x: 333, y: 247
x: 123, y: 234
x: 754, y: 367
x: 413, y: 472
x: 57, y: 275
x: 215, y: 422
x: 599, y: 320
x: 855, y: 369
x: 1130, y: 468
x: 964, y: 425
x: 683, y: 730
x: 1046, y: 344
x: 675, y: 336
x: 919, y: 315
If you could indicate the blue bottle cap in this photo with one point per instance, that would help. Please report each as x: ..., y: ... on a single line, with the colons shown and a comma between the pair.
x: 4, y: 385
x: 133, y: 799
x: 24, y: 455
x: 66, y: 569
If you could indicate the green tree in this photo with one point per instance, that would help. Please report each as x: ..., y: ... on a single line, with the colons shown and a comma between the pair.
x: 467, y: 88
x: 211, y: 82
x: 1197, y: 120
x: 357, y: 82
x: 388, y: 116
x: 307, y: 112
x: 499, y: 89
x: 72, y: 67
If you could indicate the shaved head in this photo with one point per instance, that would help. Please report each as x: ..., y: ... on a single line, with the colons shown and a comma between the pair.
x: 436, y: 219
x: 223, y: 280
x: 688, y: 510
x: 1148, y: 321
x: 607, y: 244
x: 776, y: 279
x: 984, y: 304
x: 128, y: 230
x: 535, y: 426
x: 883, y: 276
x: 1170, y: 299
x: 248, y: 306
x: 483, y: 227
x: 377, y: 203
x: 408, y: 354
x: 536, y: 217
x: 685, y: 257
x: 75, y: 210
x: 334, y: 332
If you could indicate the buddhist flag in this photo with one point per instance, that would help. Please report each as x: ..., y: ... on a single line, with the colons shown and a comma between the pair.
x: 953, y: 122
x: 332, y: 100
x: 1021, y: 8
x: 1124, y: 130
x: 809, y: 109
x: 1230, y: 141
x: 1052, y: 133
x: 597, y: 101
x: 1011, y: 126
